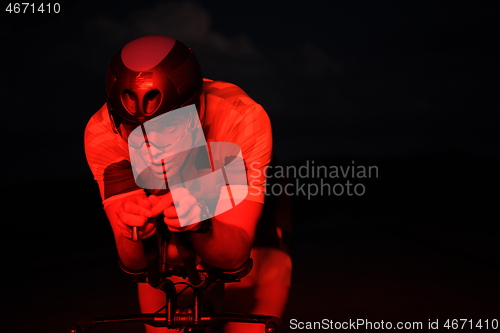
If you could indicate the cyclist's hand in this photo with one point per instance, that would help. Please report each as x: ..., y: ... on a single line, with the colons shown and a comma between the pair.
x: 183, y: 212
x: 135, y: 211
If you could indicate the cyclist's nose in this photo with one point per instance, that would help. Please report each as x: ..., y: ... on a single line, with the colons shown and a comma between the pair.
x: 154, y: 151
x: 158, y: 146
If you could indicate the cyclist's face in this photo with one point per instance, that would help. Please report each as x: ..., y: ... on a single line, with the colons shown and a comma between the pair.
x: 162, y: 143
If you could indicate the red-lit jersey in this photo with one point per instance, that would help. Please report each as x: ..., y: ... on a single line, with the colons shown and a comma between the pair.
x: 227, y: 114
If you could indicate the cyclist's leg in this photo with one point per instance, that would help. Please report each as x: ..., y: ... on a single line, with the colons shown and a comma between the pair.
x: 152, y: 299
x: 263, y: 291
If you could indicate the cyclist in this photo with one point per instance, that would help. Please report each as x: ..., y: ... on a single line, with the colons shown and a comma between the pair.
x: 155, y: 76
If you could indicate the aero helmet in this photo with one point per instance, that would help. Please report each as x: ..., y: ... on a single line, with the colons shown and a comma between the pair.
x: 150, y: 76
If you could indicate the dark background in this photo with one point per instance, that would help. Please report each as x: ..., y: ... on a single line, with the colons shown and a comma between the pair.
x: 406, y: 86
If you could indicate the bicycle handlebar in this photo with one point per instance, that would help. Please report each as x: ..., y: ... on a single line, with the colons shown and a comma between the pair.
x: 181, y: 320
x: 82, y: 326
x: 189, y: 318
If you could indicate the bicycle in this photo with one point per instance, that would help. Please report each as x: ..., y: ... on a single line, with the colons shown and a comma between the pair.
x: 198, y: 317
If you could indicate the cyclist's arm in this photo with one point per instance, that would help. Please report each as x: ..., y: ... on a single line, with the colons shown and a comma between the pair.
x: 122, y: 213
x: 229, y: 242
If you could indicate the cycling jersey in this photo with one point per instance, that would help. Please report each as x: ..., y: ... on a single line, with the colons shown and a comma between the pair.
x: 227, y: 114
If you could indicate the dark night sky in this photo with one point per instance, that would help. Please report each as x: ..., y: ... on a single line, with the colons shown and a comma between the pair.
x: 405, y: 85
x: 358, y: 78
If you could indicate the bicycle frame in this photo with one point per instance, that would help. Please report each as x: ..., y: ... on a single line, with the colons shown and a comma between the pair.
x: 193, y: 318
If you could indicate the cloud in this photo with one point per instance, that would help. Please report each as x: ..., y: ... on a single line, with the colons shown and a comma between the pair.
x: 235, y: 57
x: 317, y: 63
x: 186, y: 20
x: 290, y: 81
x: 232, y: 58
